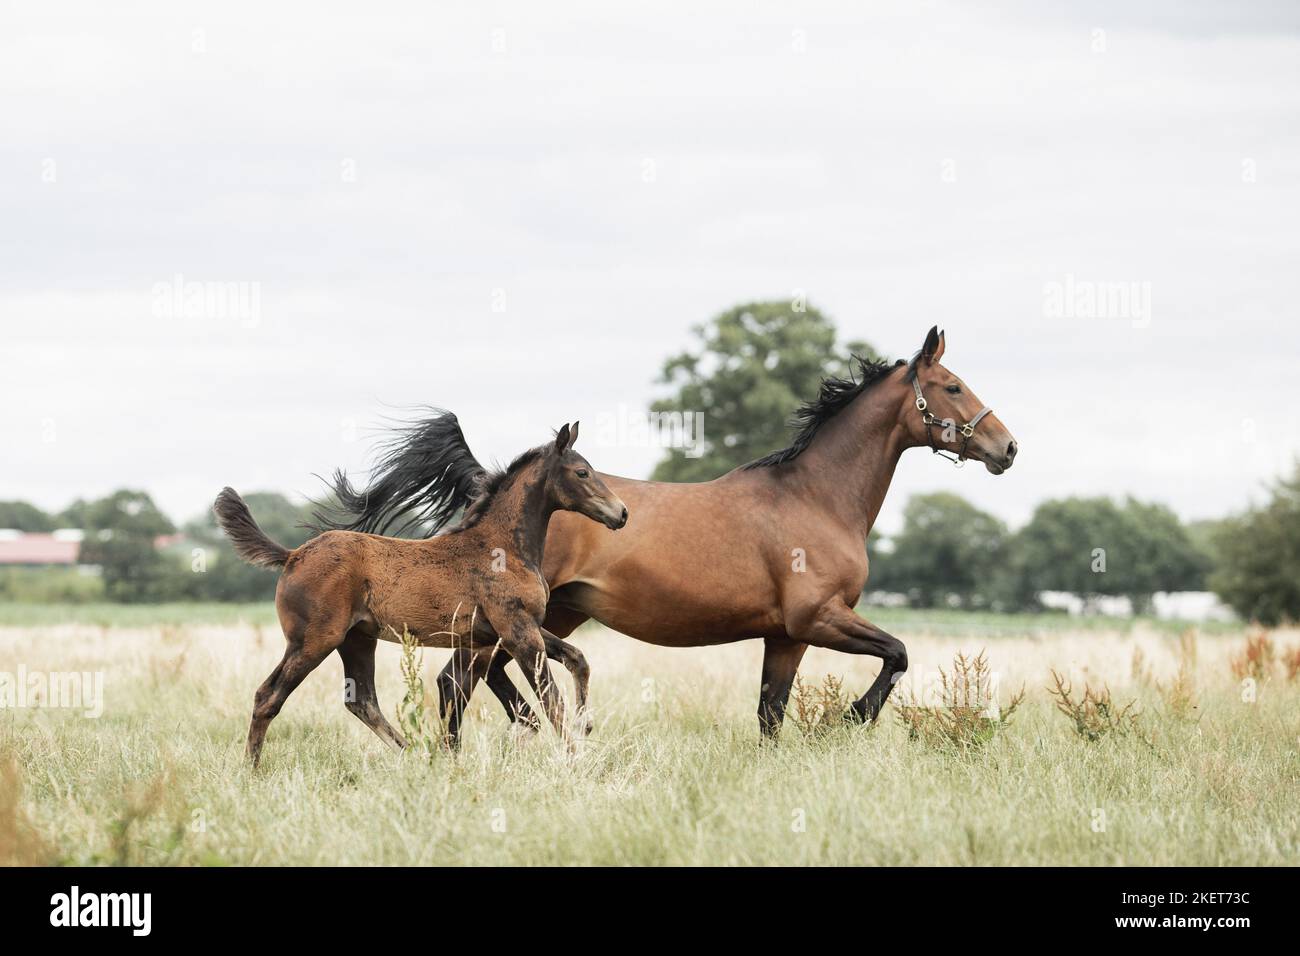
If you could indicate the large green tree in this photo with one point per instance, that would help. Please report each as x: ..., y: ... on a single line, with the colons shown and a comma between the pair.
x: 1258, y: 557
x: 120, y: 534
x: 24, y: 517
x: 1165, y: 556
x: 751, y: 368
x: 73, y: 516
x: 1096, y: 546
x: 947, y: 549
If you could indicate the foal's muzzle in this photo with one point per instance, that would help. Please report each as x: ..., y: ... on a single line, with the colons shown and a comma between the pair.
x: 613, y: 514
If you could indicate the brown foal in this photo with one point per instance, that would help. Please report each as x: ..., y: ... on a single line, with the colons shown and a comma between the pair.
x: 774, y: 549
x: 474, y: 588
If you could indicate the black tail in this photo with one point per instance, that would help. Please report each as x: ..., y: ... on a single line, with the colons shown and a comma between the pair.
x: 249, y: 540
x: 424, y: 476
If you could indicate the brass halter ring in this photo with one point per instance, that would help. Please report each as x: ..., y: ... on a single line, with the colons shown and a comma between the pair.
x: 929, y: 420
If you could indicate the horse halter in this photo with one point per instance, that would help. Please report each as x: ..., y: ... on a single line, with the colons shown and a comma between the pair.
x: 928, y: 419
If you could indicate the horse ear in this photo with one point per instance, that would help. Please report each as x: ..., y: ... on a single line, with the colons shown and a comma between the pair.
x: 562, y: 438
x: 933, y: 346
x: 573, y: 434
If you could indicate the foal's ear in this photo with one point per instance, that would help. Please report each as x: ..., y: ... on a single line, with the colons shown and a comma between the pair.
x: 573, y: 434
x: 562, y: 438
x: 932, y: 350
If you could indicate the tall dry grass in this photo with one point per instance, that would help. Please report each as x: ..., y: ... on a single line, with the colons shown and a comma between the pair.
x: 675, y: 771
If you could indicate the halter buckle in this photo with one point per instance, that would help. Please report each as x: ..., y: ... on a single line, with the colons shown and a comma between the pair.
x: 967, y: 431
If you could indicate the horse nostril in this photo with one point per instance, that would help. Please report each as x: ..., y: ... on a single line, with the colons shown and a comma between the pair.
x: 625, y: 516
x: 1011, y: 451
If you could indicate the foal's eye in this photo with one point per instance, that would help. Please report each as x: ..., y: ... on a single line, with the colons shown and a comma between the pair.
x: 954, y: 389
x: 583, y: 473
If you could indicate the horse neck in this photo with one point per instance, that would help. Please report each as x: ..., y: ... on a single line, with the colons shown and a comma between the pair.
x: 520, y: 513
x: 850, y: 462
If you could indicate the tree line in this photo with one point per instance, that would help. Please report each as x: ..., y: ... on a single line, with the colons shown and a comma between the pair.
x: 948, y: 553
x: 121, y: 534
x: 748, y: 370
x: 951, y: 553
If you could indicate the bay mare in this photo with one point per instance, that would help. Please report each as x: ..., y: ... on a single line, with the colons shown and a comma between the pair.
x: 774, y: 550
x: 473, y: 590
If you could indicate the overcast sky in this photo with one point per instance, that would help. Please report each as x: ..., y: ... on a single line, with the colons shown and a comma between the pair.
x: 517, y: 211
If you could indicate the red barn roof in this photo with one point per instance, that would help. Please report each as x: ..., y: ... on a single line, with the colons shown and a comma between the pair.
x: 38, y: 549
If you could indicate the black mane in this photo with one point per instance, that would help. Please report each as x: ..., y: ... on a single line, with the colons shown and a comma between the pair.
x: 833, y: 396
x: 424, y: 475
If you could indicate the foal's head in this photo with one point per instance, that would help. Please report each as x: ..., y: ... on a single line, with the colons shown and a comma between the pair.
x: 573, y: 485
x: 944, y: 413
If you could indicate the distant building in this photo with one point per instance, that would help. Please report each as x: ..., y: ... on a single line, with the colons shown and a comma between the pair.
x: 59, y: 549
x: 1169, y: 606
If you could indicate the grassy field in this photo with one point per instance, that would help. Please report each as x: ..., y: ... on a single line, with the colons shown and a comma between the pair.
x: 939, y: 622
x: 674, y: 772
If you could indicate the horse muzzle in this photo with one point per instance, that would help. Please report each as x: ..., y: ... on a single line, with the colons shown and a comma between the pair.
x: 996, y: 464
x: 614, y: 515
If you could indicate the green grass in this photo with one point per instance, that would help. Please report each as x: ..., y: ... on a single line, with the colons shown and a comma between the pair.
x: 675, y: 772
x: 105, y: 614
x: 899, y: 620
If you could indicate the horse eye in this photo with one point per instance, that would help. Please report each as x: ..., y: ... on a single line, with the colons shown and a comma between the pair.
x: 583, y: 473
x: 954, y: 389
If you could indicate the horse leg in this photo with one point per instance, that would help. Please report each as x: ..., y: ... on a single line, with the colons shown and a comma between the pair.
x: 507, y: 693
x: 834, y: 625
x: 560, y: 623
x: 523, y: 640
x: 301, y: 657
x: 456, y: 683
x: 360, y: 698
x: 575, y: 662
x: 781, y: 657
x: 459, y: 668
x: 499, y: 682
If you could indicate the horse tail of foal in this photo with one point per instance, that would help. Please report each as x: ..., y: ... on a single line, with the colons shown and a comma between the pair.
x: 250, y: 542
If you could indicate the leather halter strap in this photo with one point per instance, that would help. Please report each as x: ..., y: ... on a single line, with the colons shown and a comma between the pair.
x: 929, y: 420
